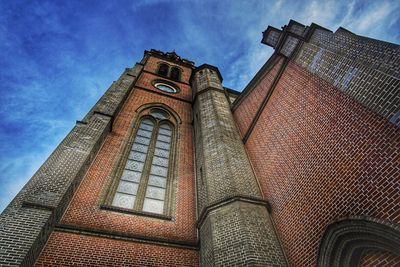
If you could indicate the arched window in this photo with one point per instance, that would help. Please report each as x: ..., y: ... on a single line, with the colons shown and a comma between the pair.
x: 163, y: 69
x: 175, y: 73
x: 145, y: 179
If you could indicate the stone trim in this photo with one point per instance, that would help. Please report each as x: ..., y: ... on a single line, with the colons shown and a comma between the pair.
x: 205, y: 91
x: 363, y: 68
x: 81, y: 122
x: 265, y: 100
x: 126, y: 237
x: 118, y: 167
x: 163, y: 94
x: 168, y: 82
x: 167, y: 77
x: 265, y: 69
x: 205, y: 66
x: 160, y: 105
x: 112, y: 100
x: 229, y: 200
x: 32, y: 205
x: 166, y: 56
x: 137, y: 212
x: 346, y: 239
x: 106, y: 115
x: 29, y: 219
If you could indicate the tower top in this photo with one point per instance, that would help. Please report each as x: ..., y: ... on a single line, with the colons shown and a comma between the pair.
x: 206, y: 66
x: 170, y: 56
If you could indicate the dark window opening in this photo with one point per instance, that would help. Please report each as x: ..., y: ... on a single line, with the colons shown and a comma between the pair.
x: 175, y: 73
x: 163, y: 70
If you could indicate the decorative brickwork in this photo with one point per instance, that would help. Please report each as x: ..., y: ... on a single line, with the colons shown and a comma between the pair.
x: 345, y: 241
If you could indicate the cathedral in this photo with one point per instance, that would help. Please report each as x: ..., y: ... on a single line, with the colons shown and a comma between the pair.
x: 171, y: 168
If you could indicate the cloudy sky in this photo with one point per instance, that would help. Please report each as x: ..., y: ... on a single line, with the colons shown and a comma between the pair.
x: 58, y: 57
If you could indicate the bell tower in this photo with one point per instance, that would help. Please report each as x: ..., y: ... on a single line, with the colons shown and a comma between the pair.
x: 120, y: 188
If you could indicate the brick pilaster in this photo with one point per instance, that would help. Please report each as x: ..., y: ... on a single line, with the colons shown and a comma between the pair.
x: 235, y: 227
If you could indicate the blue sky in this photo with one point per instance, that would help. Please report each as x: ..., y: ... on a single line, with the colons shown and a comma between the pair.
x: 58, y: 57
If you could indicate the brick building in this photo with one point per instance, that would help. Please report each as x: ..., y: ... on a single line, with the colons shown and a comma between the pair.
x: 170, y: 168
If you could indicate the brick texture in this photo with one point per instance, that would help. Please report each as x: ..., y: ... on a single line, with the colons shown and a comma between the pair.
x: 379, y: 258
x: 325, y: 147
x: 145, y: 80
x: 226, y: 170
x: 249, y: 232
x: 28, y: 220
x: 365, y: 69
x: 320, y: 155
x: 247, y: 108
x: 235, y: 233
x: 85, y: 210
x: 97, y: 251
x: 152, y: 66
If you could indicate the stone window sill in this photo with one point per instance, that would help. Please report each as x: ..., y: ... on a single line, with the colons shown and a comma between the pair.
x: 135, y: 212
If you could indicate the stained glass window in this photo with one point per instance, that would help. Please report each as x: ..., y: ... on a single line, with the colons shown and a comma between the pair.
x: 156, y: 187
x: 144, y: 180
x: 125, y: 195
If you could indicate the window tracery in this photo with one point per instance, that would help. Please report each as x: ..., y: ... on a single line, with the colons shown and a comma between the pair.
x: 144, y: 181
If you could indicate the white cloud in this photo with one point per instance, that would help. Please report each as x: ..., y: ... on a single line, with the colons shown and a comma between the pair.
x: 279, y: 4
x: 26, y: 165
x: 369, y: 19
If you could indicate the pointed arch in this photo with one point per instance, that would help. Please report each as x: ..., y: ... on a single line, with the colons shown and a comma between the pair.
x: 146, y: 170
x: 163, y: 106
x: 345, y: 240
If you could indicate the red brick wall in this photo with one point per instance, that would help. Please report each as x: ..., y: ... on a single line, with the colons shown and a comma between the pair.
x: 98, y: 251
x: 247, y: 109
x: 84, y: 209
x: 146, y: 79
x: 318, y: 156
x: 379, y: 258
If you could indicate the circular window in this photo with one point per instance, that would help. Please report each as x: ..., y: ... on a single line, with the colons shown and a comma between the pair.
x: 165, y: 87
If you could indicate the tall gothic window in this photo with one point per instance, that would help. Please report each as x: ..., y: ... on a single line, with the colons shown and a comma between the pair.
x: 163, y: 69
x: 145, y: 179
x: 175, y: 73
